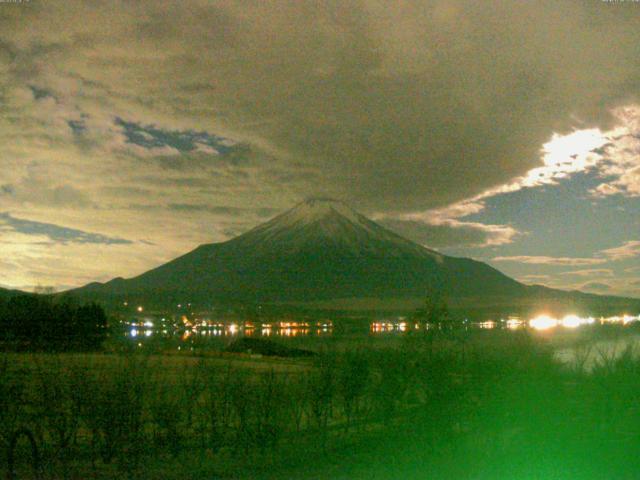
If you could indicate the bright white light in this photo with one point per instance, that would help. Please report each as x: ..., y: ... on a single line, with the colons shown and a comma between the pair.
x: 134, y: 332
x: 572, y: 321
x: 513, y: 324
x: 148, y: 323
x: 233, y: 328
x: 140, y: 308
x: 543, y: 322
x: 624, y: 319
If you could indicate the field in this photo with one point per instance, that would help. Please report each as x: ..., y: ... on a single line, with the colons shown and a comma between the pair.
x: 425, y: 406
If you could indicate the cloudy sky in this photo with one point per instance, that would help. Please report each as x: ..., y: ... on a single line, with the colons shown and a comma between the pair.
x: 507, y: 131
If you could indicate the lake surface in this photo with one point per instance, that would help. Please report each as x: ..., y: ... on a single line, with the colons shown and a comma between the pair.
x: 583, y: 341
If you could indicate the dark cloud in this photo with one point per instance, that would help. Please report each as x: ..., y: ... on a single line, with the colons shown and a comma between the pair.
x: 7, y: 189
x: 57, y: 233
x: 188, y: 207
x: 77, y: 126
x: 40, y: 93
x: 406, y: 106
x: 150, y: 136
x: 126, y: 190
x: 222, y: 210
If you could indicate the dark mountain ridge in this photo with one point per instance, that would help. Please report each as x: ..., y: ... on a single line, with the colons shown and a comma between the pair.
x: 6, y: 293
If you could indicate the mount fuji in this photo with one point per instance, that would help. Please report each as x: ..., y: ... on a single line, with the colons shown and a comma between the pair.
x: 319, y: 251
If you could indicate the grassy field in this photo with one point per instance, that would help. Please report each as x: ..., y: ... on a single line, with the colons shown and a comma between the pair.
x: 429, y: 406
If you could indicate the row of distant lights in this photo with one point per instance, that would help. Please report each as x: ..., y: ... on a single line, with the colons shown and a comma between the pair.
x: 541, y: 322
x: 546, y: 322
x: 140, y: 308
x: 287, y: 329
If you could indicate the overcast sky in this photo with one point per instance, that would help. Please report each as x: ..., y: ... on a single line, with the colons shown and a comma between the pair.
x: 508, y: 131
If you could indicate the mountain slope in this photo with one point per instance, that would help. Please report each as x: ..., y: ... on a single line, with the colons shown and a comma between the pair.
x: 6, y: 294
x: 319, y: 250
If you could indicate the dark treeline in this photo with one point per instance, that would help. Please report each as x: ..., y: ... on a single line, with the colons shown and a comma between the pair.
x: 41, y: 322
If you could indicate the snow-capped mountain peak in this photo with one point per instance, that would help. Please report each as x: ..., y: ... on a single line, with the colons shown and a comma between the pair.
x: 329, y: 221
x: 316, y: 209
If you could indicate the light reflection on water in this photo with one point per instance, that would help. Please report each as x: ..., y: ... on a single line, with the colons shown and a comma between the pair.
x: 546, y: 322
x: 290, y: 329
x: 603, y: 353
x: 287, y: 329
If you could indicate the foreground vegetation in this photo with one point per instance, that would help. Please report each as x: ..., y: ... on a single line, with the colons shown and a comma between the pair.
x: 430, y: 407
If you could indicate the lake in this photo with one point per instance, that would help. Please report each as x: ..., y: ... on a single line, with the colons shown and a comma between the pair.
x: 574, y: 339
